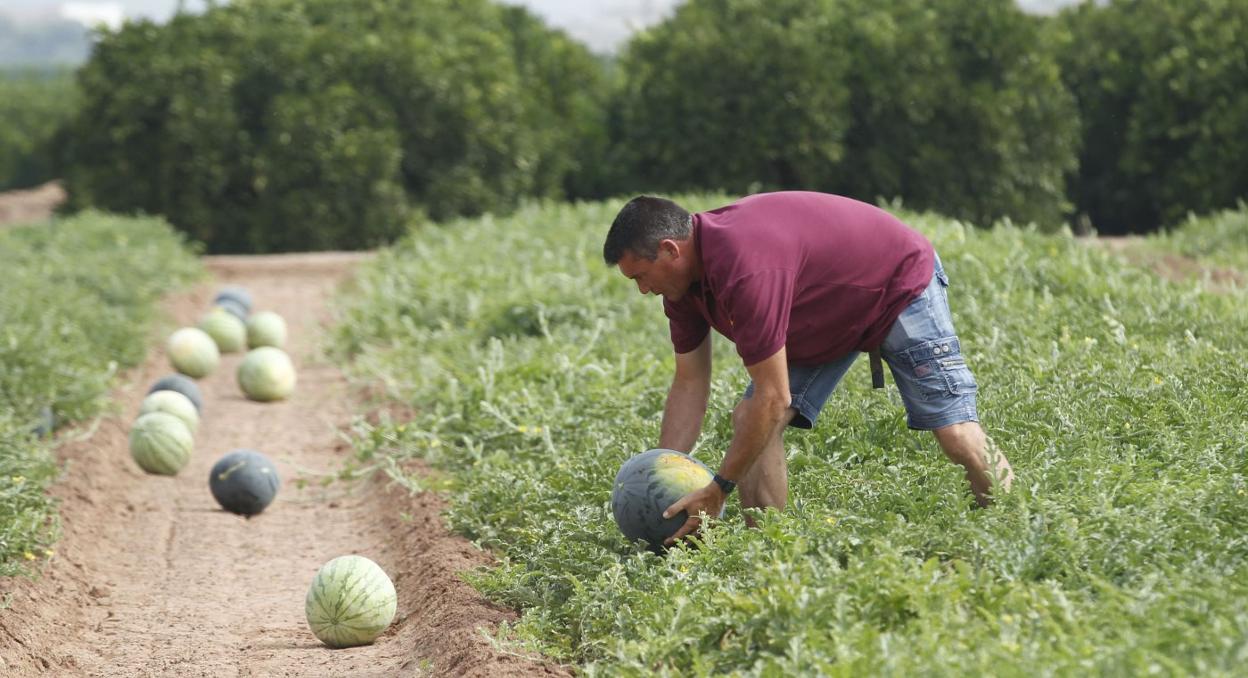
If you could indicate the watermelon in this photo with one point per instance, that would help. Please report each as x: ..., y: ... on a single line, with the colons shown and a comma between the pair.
x: 233, y: 308
x: 266, y: 374
x: 351, y: 602
x: 266, y: 328
x: 236, y: 296
x: 243, y: 482
x: 647, y: 484
x: 173, y: 403
x: 160, y: 443
x: 193, y: 353
x: 181, y: 384
x: 229, y: 333
x: 46, y: 423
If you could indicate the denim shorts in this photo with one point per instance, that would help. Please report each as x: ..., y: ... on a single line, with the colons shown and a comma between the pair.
x: 924, y: 356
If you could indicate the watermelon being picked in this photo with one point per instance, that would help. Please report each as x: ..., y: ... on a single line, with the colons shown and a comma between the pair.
x: 647, y: 484
x: 244, y: 482
x: 351, y: 602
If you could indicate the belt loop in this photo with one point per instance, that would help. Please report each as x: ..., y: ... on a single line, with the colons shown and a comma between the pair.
x: 877, y: 369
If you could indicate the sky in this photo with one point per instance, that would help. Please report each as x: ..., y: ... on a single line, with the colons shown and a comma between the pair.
x: 602, y: 24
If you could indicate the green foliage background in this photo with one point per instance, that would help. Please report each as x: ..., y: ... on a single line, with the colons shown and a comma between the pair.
x: 954, y: 106
x: 77, y: 302
x: 34, y: 103
x: 304, y: 124
x: 1162, y: 87
x: 534, y: 372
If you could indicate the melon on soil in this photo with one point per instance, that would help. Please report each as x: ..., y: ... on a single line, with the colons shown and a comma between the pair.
x: 229, y: 333
x: 235, y: 295
x: 266, y: 328
x: 182, y: 384
x: 160, y: 443
x: 173, y: 403
x: 266, y: 374
x: 351, y: 602
x: 193, y: 353
x: 244, y: 482
x: 647, y: 484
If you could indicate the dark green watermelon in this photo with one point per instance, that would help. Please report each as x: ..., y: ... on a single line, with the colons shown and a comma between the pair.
x: 46, y: 422
x: 235, y: 295
x: 244, y: 482
x: 647, y: 485
x: 233, y: 308
x: 182, y: 384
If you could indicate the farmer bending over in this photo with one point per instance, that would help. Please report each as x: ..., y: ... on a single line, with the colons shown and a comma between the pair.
x: 802, y: 283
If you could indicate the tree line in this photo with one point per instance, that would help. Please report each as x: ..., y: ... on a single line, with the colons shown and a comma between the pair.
x: 307, y: 124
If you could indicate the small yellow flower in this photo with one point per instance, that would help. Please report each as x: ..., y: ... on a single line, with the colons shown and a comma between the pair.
x: 1126, y: 424
x: 29, y: 555
x: 831, y: 520
x: 1007, y: 618
x: 435, y: 443
x: 1157, y: 380
x: 537, y: 429
x: 49, y: 552
x: 522, y: 429
x: 18, y: 480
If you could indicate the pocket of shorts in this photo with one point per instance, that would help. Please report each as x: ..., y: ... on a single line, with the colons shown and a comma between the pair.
x: 957, y: 376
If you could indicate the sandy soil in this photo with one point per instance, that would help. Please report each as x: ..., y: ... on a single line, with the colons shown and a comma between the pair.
x: 151, y: 578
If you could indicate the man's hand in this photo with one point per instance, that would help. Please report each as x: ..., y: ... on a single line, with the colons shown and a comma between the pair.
x: 708, y: 500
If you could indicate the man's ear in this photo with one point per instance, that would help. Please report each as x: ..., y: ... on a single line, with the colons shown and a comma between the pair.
x: 671, y: 247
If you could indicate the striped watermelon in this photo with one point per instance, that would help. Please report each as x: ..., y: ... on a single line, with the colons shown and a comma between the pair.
x: 351, y: 602
x: 646, y: 485
x: 174, y: 403
x: 160, y: 443
x: 193, y: 353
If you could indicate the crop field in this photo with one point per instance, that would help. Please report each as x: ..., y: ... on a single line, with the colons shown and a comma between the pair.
x: 533, y: 371
x: 103, y: 276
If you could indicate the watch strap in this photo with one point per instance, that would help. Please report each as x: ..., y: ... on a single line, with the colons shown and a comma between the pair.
x: 724, y: 484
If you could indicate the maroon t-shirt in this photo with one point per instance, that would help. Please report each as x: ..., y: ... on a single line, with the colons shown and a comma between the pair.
x: 818, y: 274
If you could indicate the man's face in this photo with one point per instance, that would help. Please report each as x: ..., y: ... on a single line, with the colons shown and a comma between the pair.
x: 664, y: 275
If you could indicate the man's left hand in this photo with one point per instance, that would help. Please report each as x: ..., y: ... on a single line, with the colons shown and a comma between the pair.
x: 707, y: 500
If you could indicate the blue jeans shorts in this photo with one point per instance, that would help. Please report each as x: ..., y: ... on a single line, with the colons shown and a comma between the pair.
x: 924, y: 356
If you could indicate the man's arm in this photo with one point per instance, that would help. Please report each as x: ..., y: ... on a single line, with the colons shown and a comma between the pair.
x: 764, y: 415
x: 687, y: 399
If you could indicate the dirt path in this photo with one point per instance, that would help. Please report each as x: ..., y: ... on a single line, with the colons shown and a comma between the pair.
x: 151, y: 578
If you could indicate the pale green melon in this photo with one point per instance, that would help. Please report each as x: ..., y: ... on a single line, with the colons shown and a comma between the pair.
x: 193, y: 353
x: 160, y: 443
x: 174, y: 403
x: 266, y: 328
x: 266, y: 374
x: 226, y: 330
x: 351, y: 602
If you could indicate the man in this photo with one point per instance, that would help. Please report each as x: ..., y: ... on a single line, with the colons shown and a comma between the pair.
x: 801, y: 282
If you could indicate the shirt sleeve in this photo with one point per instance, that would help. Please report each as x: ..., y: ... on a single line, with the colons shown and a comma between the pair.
x: 758, y: 306
x: 687, y: 326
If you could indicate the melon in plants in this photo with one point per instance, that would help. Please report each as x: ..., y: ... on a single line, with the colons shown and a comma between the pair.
x: 226, y: 330
x: 266, y: 328
x: 236, y: 296
x: 646, y: 485
x: 193, y: 353
x: 174, y: 403
x: 244, y: 482
x: 181, y: 384
x: 266, y: 374
x: 45, y: 424
x: 351, y: 602
x: 160, y: 443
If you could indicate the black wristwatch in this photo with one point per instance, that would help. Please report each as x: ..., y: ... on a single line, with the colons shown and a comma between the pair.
x: 724, y: 484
